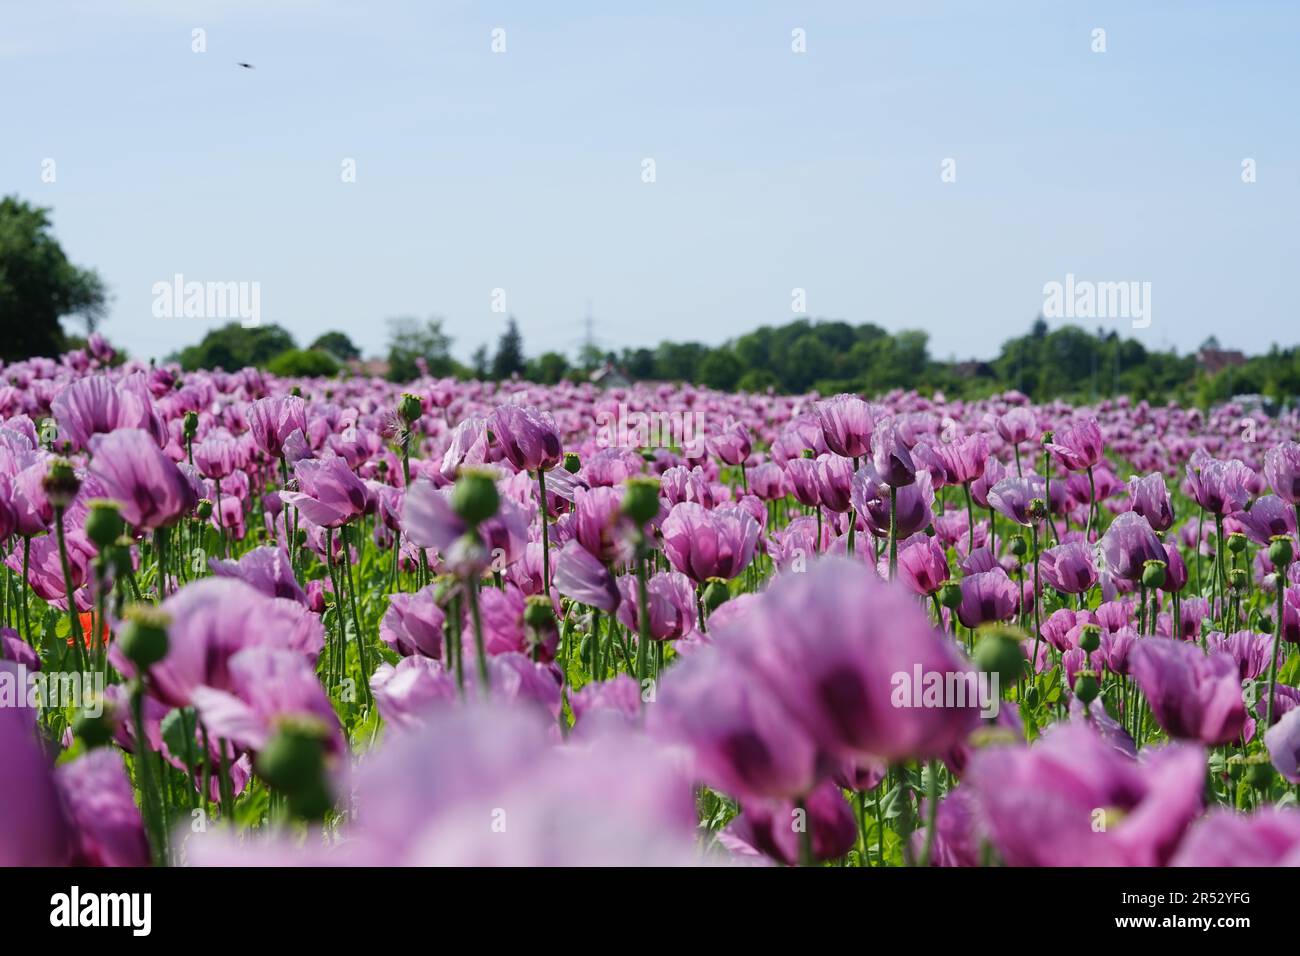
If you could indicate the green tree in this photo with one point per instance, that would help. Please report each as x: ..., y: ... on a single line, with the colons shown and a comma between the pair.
x: 38, y: 285
x: 409, y: 340
x: 548, y: 368
x: 338, y: 345
x: 232, y: 347
x: 304, y: 363
x: 721, y: 369
x: 509, y: 358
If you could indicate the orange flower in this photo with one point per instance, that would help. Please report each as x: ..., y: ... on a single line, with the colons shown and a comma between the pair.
x: 87, y: 629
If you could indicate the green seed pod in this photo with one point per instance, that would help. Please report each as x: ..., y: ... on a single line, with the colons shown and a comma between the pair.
x: 475, y: 497
x: 998, y: 651
x: 1086, y: 687
x: 104, y: 523
x: 641, y: 499
x: 1153, y: 574
x: 716, y: 594
x: 143, y: 636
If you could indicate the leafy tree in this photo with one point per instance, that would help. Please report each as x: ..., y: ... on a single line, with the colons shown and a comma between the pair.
x: 509, y: 359
x: 409, y: 340
x: 232, y: 347
x: 304, y: 363
x: 338, y: 345
x: 480, y: 362
x: 548, y: 368
x: 721, y: 369
x: 38, y: 285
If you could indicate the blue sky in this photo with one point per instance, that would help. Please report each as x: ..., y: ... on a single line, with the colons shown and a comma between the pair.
x: 774, y: 170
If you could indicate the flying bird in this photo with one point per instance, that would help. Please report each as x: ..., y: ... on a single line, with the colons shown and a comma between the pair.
x: 247, y: 66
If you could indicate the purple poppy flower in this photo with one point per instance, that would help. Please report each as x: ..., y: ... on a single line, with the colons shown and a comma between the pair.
x: 1042, y: 802
x: 732, y: 445
x: 1282, y: 468
x: 210, y: 621
x: 705, y: 544
x: 890, y: 456
x: 1282, y: 741
x: 527, y: 436
x: 267, y: 569
x: 832, y: 644
x: 922, y: 564
x: 774, y: 827
x: 1128, y: 544
x: 146, y: 484
x: 468, y: 447
x: 330, y: 494
x: 1268, y: 837
x: 846, y: 425
x: 740, y: 738
x: 413, y: 624
x: 1150, y: 497
x: 406, y: 692
x: 1220, y: 487
x: 963, y: 459
x: 767, y: 481
x: 1193, y: 696
x: 913, y: 503
x: 988, y: 596
x: 106, y: 823
x: 93, y: 406
x: 273, y: 419
x: 603, y: 704
x: 671, y: 602
x: 1078, y: 447
x: 33, y: 831
x: 1069, y: 567
x: 1011, y: 497
x: 1248, y: 648
x: 580, y: 576
x: 801, y: 478
x: 835, y: 482
x: 1265, y: 517
x: 1017, y: 425
x: 216, y: 456
x: 267, y: 685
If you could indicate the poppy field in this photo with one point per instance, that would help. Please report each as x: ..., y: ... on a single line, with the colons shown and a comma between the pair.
x: 257, y: 620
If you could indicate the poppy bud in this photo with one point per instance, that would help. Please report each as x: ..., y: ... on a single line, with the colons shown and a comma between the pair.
x: 293, y: 761
x: 475, y: 497
x: 998, y: 652
x: 950, y: 594
x: 1090, y: 637
x: 409, y: 409
x: 143, y: 636
x: 295, y: 391
x: 716, y: 594
x: 1237, y: 579
x: 538, y: 613
x: 1153, y: 573
x: 641, y: 499
x: 1019, y: 545
x: 572, y: 463
x: 1280, y: 551
x: 190, y: 425
x: 104, y: 523
x: 61, y: 483
x: 1086, y: 687
x: 1031, y: 696
x: 203, y: 509
x: 93, y: 731
x: 1236, y: 542
x: 1259, y: 772
x: 1048, y: 438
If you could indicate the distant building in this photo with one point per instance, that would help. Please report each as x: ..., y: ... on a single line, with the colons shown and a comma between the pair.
x: 369, y: 368
x: 610, y: 376
x: 1215, y: 360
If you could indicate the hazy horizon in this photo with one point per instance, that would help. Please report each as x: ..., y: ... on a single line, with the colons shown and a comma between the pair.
x: 775, y: 170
